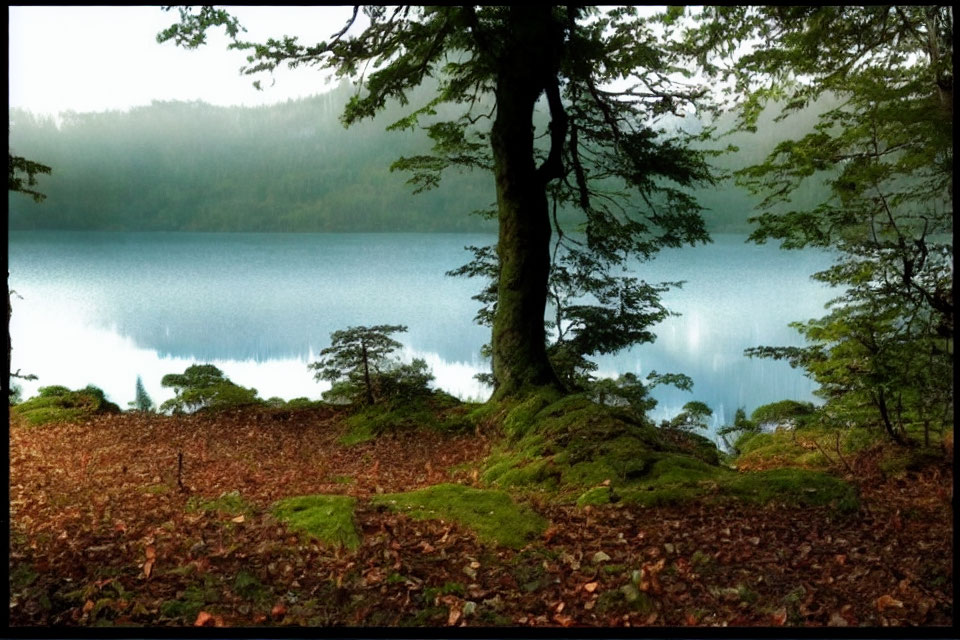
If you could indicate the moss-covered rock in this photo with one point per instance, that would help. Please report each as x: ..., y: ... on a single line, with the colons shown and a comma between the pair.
x: 572, y: 443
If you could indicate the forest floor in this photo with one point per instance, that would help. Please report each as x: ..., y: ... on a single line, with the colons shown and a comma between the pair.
x: 106, y: 530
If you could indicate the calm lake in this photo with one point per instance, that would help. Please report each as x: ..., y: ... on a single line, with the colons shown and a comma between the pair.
x: 102, y: 308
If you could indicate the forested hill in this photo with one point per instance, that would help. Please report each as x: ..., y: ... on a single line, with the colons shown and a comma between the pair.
x: 190, y: 166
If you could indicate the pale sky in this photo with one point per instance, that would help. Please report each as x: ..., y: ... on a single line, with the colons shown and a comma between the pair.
x: 105, y: 58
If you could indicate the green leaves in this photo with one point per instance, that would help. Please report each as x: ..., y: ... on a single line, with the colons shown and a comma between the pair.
x: 203, y: 386
x: 22, y: 174
x: 360, y: 365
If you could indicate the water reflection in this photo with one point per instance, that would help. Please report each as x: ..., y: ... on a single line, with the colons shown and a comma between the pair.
x: 103, y: 308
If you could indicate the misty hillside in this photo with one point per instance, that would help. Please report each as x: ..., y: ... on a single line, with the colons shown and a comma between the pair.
x: 191, y: 166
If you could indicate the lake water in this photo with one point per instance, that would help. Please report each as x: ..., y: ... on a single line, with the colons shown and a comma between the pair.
x: 102, y: 308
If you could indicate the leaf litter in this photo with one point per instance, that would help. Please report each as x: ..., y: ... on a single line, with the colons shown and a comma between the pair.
x: 102, y: 535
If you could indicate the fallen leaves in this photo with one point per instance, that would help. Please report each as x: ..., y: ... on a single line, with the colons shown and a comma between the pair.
x: 134, y: 554
x: 151, y: 554
x: 887, y: 601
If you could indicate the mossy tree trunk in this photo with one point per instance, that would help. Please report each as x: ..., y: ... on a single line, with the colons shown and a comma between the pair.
x: 520, y: 360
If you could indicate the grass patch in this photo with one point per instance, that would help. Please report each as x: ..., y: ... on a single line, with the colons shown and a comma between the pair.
x: 327, y: 518
x: 798, y: 447
x: 492, y: 515
x: 60, y: 404
x: 795, y: 487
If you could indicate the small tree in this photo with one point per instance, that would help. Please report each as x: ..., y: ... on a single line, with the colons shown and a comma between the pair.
x: 142, y: 401
x: 629, y: 391
x: 741, y: 426
x: 203, y: 386
x: 693, y: 416
x: 359, y: 364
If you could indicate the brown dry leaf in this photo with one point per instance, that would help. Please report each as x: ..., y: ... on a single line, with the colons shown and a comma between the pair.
x: 779, y: 617
x: 648, y: 576
x: 202, y: 618
x: 454, y: 615
x: 151, y: 552
x: 590, y: 587
x: 147, y: 568
x: 887, y: 601
x: 88, y: 606
x: 238, y: 519
x: 837, y: 620
x: 279, y: 610
x: 565, y: 621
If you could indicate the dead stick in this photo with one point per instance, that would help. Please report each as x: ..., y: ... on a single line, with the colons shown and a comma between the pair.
x: 180, y: 470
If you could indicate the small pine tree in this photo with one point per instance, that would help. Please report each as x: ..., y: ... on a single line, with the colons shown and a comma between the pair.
x: 142, y: 401
x: 360, y: 365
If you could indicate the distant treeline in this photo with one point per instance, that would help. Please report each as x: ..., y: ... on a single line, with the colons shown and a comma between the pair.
x: 190, y: 166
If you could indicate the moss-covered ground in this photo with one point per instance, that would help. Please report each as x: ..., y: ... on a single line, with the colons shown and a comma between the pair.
x: 492, y: 515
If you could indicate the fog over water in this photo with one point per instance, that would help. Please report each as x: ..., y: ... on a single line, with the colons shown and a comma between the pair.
x: 102, y: 308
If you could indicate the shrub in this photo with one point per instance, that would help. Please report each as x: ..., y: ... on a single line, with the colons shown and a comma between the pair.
x: 59, y: 404
x: 785, y: 411
x: 204, y: 387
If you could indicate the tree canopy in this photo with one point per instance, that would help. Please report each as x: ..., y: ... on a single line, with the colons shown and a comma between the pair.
x: 884, y: 353
x: 610, y: 150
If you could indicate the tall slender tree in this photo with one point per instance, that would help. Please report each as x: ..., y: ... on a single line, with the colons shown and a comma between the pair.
x: 607, y: 84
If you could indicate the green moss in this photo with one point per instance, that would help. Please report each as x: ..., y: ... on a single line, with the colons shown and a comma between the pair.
x: 246, y: 585
x: 492, y: 515
x: 660, y: 496
x: 192, y: 600
x: 59, y: 404
x: 521, y: 418
x: 794, y: 487
x: 595, y: 496
x: 438, y: 411
x: 672, y: 469
x: 327, y: 518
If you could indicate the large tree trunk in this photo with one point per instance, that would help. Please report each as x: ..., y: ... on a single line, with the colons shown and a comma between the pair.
x: 520, y: 360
